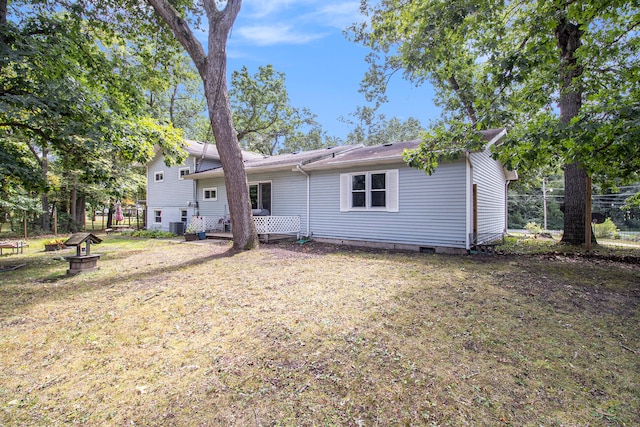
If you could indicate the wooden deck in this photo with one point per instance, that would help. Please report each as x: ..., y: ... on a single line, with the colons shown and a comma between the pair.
x: 226, y: 235
x: 269, y: 227
x: 263, y: 237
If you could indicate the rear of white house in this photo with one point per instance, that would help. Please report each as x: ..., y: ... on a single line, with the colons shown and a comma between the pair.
x: 171, y: 196
x: 362, y: 196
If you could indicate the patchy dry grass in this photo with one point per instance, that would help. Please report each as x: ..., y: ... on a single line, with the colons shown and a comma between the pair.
x: 184, y: 335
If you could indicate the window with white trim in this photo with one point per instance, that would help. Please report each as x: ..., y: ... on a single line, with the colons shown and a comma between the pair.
x: 157, y: 216
x: 158, y: 176
x: 369, y: 191
x: 182, y: 172
x: 184, y: 215
x: 210, y: 194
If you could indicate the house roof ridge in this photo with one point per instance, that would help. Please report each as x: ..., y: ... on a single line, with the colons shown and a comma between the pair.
x: 347, y: 148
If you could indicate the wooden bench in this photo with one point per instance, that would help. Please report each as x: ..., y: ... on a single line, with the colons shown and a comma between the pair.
x: 16, y: 247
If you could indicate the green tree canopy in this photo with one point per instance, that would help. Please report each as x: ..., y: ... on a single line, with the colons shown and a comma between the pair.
x: 72, y: 95
x: 265, y: 120
x: 560, y: 75
x: 371, y: 128
x: 310, y: 136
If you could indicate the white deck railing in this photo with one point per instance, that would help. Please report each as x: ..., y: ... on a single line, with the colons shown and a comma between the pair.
x: 270, y: 224
x: 207, y: 223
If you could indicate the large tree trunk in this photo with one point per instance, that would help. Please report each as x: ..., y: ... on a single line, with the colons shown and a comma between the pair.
x: 3, y: 20
x: 212, y: 70
x: 575, y: 177
x: 73, y: 198
x: 3, y: 12
x: 80, y: 213
x: 44, y: 199
x: 110, y: 214
x: 45, y: 219
x: 220, y: 23
x: 575, y: 189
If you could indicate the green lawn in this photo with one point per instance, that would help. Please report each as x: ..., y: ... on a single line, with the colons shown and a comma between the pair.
x: 180, y: 334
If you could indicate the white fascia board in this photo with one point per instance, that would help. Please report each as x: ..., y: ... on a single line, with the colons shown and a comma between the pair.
x: 496, y: 138
x: 205, y: 174
x: 356, y: 162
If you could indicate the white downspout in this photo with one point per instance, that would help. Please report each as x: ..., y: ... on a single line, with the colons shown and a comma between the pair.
x: 469, y: 201
x: 299, y: 168
x: 196, y: 210
x: 506, y: 206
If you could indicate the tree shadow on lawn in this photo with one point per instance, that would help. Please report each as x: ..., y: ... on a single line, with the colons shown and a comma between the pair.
x: 457, y: 340
x: 42, y: 280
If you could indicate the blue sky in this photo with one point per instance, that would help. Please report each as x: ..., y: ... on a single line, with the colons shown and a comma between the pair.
x: 304, y: 40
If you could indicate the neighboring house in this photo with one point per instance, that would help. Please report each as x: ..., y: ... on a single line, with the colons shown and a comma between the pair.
x: 369, y: 196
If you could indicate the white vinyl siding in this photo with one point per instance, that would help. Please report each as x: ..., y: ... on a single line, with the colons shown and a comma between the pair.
x: 488, y: 175
x: 369, y: 191
x: 219, y: 207
x: 173, y: 195
x: 288, y: 194
x: 430, y: 209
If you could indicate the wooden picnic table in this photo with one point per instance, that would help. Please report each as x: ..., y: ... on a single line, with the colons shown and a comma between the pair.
x: 15, y: 246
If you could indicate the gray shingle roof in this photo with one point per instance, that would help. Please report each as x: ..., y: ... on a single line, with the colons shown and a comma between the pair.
x: 286, y: 161
x: 381, y: 154
x: 333, y: 157
x: 370, y: 154
x: 210, y: 151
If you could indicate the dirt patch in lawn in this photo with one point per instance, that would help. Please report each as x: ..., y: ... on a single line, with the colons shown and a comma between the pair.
x: 190, y: 335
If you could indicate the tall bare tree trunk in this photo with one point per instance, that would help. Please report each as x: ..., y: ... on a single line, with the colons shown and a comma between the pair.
x: 45, y: 218
x: 110, y: 214
x: 575, y: 177
x: 73, y: 198
x: 3, y: 16
x: 212, y: 70
x: 220, y: 23
x: 3, y: 11
x: 44, y: 199
x: 80, y: 213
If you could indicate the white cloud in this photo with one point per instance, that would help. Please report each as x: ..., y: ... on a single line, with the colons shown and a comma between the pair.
x: 262, y: 8
x: 339, y: 15
x: 265, y: 35
x: 272, y: 22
